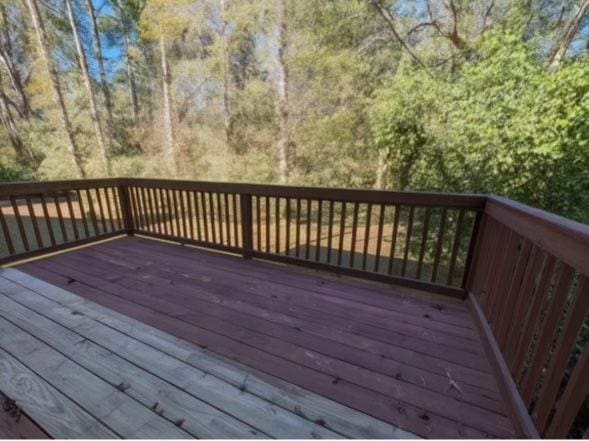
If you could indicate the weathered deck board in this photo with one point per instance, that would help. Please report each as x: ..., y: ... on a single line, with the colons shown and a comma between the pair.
x: 63, y: 318
x: 322, y: 340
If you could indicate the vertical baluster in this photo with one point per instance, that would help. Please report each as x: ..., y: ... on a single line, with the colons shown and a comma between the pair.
x: 190, y: 218
x: 394, y: 238
x: 220, y: 218
x: 48, y: 222
x: 118, y: 204
x: 175, y: 203
x: 319, y: 230
x: 204, y: 216
x: 455, y: 247
x: 408, y: 240
x: 199, y: 234
x: 330, y: 231
x: 379, y: 238
x: 298, y: 230
x: 259, y: 223
x: 165, y: 215
x: 60, y: 218
x: 342, y: 233
x: 153, y: 211
x: 228, y: 220
x: 101, y: 210
x: 92, y: 212
x: 6, y: 232
x: 83, y: 214
x: 308, y: 238
x: 109, y: 209
x: 245, y: 206
x: 267, y: 217
x: 72, y: 215
x: 137, y: 208
x: 471, y: 244
x: 424, y: 234
x: 170, y: 205
x: 212, y: 213
x: 367, y: 235
x: 354, y: 228
x: 439, y: 245
x: 33, y: 218
x: 277, y: 216
x: 237, y: 217
x: 19, y: 223
x: 288, y: 222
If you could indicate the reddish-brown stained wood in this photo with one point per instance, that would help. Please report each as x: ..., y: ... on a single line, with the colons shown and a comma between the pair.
x: 342, y: 232
x: 379, y: 237
x: 424, y: 235
x: 204, y: 216
x: 408, y: 240
x: 288, y: 225
x: 172, y: 216
x: 572, y: 399
x: 48, y: 222
x: 467, y: 275
x: 6, y: 232
x: 367, y: 235
x: 277, y: 219
x: 220, y: 218
x: 267, y: 220
x: 101, y: 210
x: 330, y: 231
x: 60, y: 218
x: 189, y: 199
x: 176, y: 213
x: 199, y: 234
x: 109, y: 209
x: 308, y: 232
x: 83, y: 214
x: 72, y: 215
x: 298, y: 229
x: 562, y: 352
x: 212, y: 217
x: 354, y: 231
x: 455, y: 246
x: 237, y: 221
x: 19, y: 224
x: 319, y: 230
x: 394, y: 239
x: 34, y: 223
x: 546, y: 334
x: 439, y: 245
x: 228, y: 221
x: 259, y: 223
x: 230, y: 321
x: 153, y: 217
x: 92, y: 213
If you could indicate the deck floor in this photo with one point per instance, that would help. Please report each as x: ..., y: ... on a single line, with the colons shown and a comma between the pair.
x: 411, y: 363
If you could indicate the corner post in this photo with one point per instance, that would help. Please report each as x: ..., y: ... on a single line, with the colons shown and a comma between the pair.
x: 127, y: 212
x: 245, y: 202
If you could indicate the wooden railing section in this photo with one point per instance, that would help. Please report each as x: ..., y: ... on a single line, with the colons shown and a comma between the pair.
x: 423, y: 240
x: 36, y: 218
x: 525, y: 271
x: 530, y: 278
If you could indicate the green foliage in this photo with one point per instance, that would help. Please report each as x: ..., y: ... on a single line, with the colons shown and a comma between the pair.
x: 503, y: 123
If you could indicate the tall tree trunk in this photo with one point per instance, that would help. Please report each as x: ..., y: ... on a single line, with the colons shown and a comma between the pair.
x: 132, y: 88
x: 103, y: 80
x: 131, y: 79
x: 381, y: 170
x: 569, y: 35
x: 95, y: 115
x: 54, y: 79
x: 7, y: 56
x: 283, y: 141
x: 225, y: 37
x: 170, y: 149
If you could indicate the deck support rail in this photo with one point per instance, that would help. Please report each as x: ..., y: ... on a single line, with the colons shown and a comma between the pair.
x: 525, y: 271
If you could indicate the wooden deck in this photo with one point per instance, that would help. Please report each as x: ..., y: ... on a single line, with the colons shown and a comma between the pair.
x: 172, y: 341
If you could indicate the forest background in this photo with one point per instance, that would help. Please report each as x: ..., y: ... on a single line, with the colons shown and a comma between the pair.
x: 484, y: 96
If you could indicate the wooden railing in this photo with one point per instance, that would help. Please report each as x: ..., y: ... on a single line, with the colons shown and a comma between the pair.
x: 530, y: 279
x: 423, y: 240
x: 36, y: 218
x: 524, y: 271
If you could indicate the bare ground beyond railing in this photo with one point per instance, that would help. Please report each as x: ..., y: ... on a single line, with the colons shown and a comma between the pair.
x: 525, y: 271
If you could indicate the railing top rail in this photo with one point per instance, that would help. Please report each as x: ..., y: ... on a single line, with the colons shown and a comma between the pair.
x: 28, y: 188
x: 323, y: 193
x: 566, y: 239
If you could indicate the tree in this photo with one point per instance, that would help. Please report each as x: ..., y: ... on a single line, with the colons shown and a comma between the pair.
x: 569, y: 34
x: 283, y: 141
x: 43, y: 48
x: 95, y: 115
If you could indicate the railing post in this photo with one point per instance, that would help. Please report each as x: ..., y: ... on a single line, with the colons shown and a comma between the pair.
x: 125, y: 199
x: 245, y: 201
